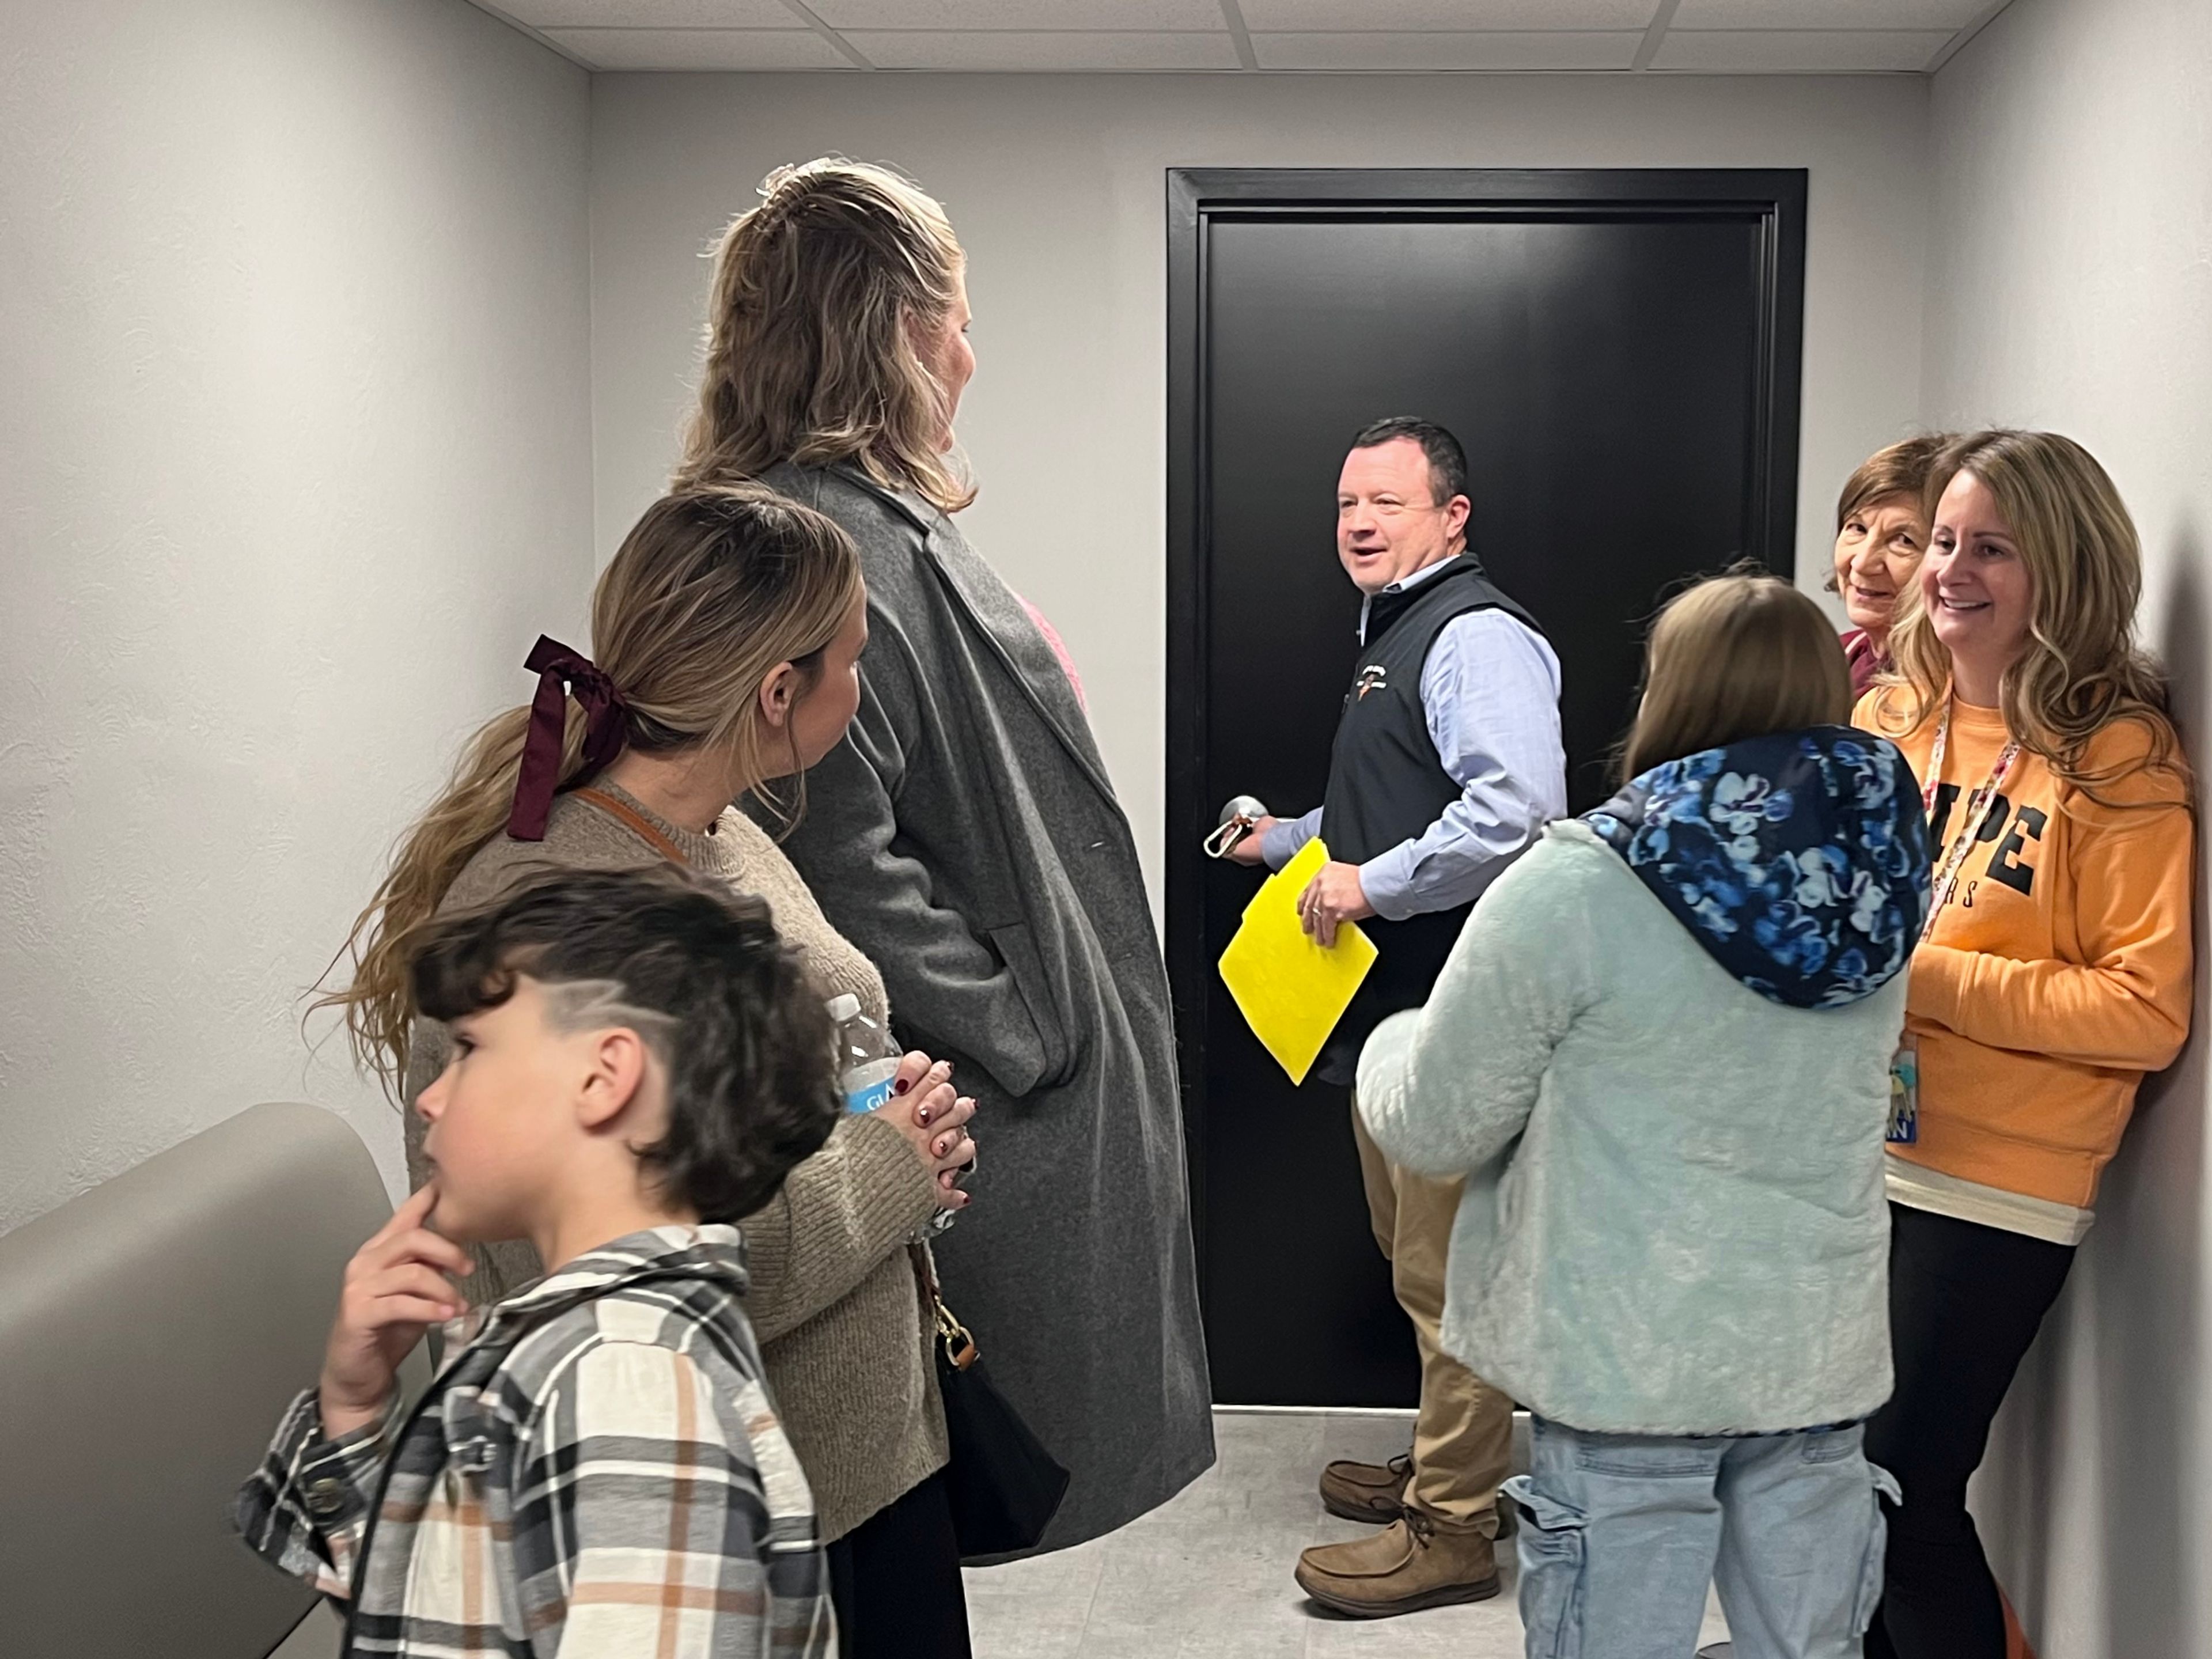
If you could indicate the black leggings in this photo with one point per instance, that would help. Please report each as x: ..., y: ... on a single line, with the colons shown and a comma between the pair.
x: 1964, y: 1302
x: 895, y: 1581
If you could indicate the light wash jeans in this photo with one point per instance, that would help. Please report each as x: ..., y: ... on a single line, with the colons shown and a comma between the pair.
x: 1620, y: 1534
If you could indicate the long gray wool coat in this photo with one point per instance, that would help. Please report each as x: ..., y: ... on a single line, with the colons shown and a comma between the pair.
x: 965, y: 836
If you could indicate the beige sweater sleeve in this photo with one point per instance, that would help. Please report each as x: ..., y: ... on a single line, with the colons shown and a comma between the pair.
x: 837, y: 1215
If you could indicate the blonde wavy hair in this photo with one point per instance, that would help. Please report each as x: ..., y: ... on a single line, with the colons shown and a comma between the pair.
x: 819, y: 294
x: 2081, y: 669
x: 712, y: 589
x: 1732, y: 657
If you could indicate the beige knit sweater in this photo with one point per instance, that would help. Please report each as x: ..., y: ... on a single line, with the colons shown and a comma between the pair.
x: 833, y: 1298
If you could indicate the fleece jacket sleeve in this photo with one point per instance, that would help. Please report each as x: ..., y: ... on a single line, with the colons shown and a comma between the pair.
x: 1446, y: 1088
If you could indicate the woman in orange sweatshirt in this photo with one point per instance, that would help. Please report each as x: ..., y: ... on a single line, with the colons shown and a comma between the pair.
x: 2054, y: 972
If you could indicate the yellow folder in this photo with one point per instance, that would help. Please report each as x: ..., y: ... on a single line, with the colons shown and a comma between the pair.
x: 1290, y: 990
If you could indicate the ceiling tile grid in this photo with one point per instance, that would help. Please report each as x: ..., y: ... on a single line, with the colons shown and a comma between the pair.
x: 550, y: 15
x: 1027, y: 16
x: 1682, y: 37
x: 1031, y: 50
x: 1443, y: 16
x: 1429, y: 50
x: 618, y: 49
x: 1797, y: 52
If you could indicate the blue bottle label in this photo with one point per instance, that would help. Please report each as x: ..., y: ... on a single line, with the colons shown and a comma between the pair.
x: 867, y: 1099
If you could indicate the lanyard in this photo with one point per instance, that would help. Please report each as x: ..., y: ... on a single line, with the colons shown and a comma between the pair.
x: 1977, y: 811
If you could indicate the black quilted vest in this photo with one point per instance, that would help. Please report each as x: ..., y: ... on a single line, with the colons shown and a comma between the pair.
x: 1387, y: 784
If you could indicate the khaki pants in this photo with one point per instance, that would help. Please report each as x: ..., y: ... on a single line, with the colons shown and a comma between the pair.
x: 1463, y: 1435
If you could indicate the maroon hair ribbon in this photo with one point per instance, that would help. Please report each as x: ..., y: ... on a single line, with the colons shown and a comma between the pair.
x: 561, y: 672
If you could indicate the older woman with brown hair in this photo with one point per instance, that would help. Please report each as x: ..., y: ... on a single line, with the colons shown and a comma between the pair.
x: 1881, y: 531
x: 966, y: 837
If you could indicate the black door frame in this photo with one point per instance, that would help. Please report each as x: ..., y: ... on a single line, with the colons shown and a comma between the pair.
x: 1773, y: 198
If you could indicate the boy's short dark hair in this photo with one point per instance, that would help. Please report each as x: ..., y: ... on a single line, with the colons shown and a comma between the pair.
x: 700, y: 973
x: 1447, y: 459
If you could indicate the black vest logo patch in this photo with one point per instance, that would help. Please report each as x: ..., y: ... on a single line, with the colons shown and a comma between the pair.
x: 1371, y: 678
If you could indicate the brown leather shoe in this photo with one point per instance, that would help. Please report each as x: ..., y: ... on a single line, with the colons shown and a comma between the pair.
x: 1406, y: 1567
x: 1366, y: 1492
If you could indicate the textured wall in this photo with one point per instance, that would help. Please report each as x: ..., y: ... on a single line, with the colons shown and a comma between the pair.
x: 2070, y: 286
x: 1057, y: 186
x: 294, y: 331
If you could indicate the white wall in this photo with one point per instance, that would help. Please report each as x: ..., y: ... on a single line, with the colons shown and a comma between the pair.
x: 2070, y: 288
x: 1057, y: 186
x: 294, y: 331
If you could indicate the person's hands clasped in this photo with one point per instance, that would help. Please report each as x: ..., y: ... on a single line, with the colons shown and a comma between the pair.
x: 396, y: 1286
x: 1332, y: 897
x: 926, y: 1110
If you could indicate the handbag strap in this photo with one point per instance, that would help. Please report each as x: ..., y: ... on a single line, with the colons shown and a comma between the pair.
x: 960, y: 1349
x: 649, y: 831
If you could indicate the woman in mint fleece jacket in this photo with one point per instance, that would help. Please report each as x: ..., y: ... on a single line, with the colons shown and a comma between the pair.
x: 1660, y: 1053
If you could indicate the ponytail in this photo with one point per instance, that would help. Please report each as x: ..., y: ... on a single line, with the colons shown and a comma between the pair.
x: 712, y: 589
x: 472, y: 809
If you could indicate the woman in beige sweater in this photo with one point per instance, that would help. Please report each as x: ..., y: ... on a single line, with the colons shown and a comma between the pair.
x: 727, y: 631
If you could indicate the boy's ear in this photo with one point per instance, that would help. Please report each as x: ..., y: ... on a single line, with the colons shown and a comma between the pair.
x: 618, y: 1063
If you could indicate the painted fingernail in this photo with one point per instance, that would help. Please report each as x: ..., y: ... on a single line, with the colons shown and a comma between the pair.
x: 900, y: 1086
x: 921, y: 1116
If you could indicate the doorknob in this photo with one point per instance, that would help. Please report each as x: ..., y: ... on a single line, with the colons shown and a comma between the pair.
x: 1237, y: 818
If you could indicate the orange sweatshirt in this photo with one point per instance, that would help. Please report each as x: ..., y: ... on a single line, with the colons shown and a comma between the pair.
x: 2058, y: 974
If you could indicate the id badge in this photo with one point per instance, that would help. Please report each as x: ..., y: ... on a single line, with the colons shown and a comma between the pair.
x: 1905, y: 1093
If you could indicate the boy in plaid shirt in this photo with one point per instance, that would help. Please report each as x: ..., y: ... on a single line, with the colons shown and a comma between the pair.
x: 598, y: 1469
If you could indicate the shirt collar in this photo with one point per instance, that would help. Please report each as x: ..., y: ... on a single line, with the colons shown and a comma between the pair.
x: 1425, y: 574
x: 712, y: 1249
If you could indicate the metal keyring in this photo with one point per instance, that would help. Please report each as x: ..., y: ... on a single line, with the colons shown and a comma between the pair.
x: 1238, y: 818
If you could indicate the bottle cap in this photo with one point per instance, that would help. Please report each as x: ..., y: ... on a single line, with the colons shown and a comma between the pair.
x: 844, y: 1006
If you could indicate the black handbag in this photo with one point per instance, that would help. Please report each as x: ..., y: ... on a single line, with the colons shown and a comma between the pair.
x: 1005, y: 1487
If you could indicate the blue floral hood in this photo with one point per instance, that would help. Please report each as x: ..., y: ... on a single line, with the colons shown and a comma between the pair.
x: 1799, y: 860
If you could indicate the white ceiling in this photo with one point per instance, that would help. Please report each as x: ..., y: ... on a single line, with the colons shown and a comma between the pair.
x: 1711, y: 37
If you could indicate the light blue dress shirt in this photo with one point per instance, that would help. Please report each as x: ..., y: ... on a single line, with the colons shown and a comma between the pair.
x: 1490, y: 692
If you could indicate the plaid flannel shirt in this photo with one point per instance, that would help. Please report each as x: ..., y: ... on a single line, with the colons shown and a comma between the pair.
x: 597, y: 1471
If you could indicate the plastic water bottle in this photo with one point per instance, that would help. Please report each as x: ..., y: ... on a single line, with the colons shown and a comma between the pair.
x: 867, y: 1058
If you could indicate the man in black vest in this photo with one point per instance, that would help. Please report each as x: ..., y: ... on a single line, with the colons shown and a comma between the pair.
x: 1447, y: 765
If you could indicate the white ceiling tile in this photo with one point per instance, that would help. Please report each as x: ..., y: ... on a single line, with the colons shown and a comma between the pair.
x: 1828, y: 14
x: 1797, y: 52
x: 1204, y: 15
x: 701, y: 49
x: 1039, y: 50
x: 1364, y: 16
x: 653, y: 14
x: 1490, y: 50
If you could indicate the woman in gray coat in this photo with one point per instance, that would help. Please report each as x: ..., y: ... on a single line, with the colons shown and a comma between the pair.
x: 966, y: 837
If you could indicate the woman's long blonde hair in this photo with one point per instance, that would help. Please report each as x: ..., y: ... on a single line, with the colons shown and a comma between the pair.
x: 818, y: 297
x: 1734, y: 657
x: 2081, y: 669
x: 711, y: 591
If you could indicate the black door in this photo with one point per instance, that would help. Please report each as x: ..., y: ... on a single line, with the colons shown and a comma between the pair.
x: 1618, y: 352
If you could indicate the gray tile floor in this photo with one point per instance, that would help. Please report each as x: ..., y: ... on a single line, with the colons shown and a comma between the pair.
x: 1209, y: 1574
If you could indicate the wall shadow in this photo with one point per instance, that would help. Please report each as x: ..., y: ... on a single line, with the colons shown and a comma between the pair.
x: 2088, y: 1497
x: 2148, y: 1275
